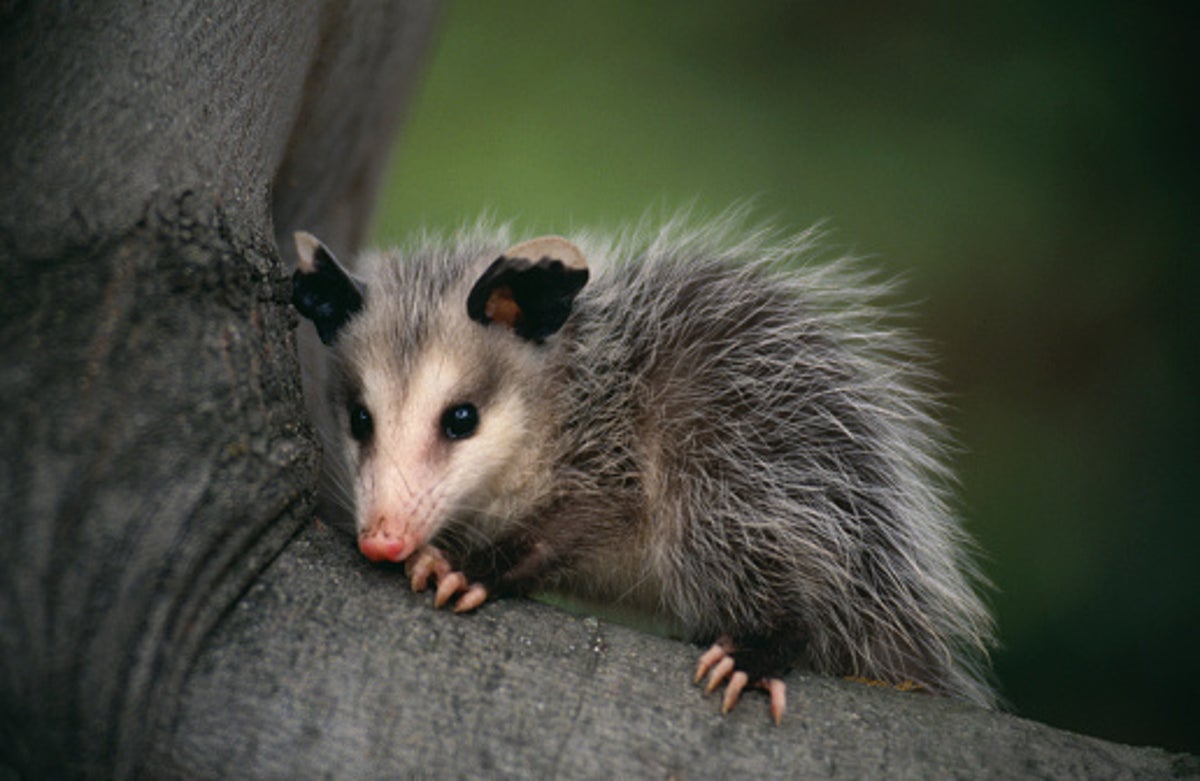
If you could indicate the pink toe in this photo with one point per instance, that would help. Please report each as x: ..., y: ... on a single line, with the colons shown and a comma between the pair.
x: 778, y: 691
x: 719, y: 673
x: 737, y: 682
x: 474, y: 596
x: 448, y: 586
x: 707, y: 660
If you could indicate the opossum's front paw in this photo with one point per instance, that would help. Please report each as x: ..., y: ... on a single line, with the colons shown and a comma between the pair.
x: 720, y: 664
x: 429, y: 562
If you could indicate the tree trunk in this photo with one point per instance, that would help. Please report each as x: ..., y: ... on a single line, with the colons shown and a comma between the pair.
x: 156, y: 451
x: 159, y: 615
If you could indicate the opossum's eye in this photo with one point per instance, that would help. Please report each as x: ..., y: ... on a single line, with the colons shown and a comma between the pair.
x: 361, y: 424
x: 460, y: 421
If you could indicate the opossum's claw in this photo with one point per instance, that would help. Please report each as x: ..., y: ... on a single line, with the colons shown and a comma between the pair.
x: 426, y: 562
x: 720, y: 649
x: 720, y: 672
x: 452, y: 583
x: 475, y: 595
x: 429, y: 562
x: 718, y: 662
x: 448, y: 586
x: 737, y: 682
x: 778, y: 693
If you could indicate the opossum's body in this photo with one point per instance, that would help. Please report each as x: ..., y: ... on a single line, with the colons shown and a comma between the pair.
x: 705, y: 431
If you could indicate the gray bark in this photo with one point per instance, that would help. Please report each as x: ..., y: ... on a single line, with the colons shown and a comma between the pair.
x: 159, y: 617
x: 330, y: 667
x: 156, y: 454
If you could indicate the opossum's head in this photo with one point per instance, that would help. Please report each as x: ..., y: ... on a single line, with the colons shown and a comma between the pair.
x: 441, y: 384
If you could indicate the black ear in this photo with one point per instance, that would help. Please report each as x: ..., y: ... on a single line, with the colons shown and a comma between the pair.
x: 530, y: 288
x: 322, y: 290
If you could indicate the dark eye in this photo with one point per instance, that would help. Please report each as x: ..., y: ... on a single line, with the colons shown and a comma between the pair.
x: 361, y: 424
x: 460, y: 422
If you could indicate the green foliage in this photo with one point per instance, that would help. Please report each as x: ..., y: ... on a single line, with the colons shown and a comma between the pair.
x: 1023, y: 164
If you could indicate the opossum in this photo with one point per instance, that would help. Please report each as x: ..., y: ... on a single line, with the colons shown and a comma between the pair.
x: 714, y: 426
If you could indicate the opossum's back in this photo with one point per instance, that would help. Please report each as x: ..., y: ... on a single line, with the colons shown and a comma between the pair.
x: 774, y: 419
x: 782, y: 361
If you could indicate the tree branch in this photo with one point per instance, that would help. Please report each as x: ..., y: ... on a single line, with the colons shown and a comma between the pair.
x: 330, y: 666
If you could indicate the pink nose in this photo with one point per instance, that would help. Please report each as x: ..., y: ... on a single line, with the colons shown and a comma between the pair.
x: 380, y: 548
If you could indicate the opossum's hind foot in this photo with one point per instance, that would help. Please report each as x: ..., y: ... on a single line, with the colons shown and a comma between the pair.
x: 429, y: 562
x: 719, y: 664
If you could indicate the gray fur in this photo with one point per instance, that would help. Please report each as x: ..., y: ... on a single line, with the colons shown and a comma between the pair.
x: 730, y: 433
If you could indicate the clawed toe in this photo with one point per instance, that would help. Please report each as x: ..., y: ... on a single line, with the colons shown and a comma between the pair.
x: 475, y: 595
x: 448, y: 586
x: 720, y: 650
x: 777, y: 691
x: 470, y: 595
x: 426, y: 563
x: 429, y: 563
x: 734, y: 690
x: 718, y: 664
x: 720, y: 672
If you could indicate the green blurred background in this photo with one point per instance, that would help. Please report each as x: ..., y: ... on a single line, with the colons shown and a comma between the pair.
x: 1026, y: 165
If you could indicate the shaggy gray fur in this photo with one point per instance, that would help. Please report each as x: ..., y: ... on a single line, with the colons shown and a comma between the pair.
x: 735, y: 436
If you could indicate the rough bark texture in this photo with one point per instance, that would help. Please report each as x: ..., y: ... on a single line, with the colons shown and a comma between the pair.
x: 329, y: 667
x: 155, y: 450
x: 156, y: 459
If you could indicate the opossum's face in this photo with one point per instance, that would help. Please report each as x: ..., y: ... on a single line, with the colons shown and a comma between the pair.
x: 449, y: 444
x: 440, y: 385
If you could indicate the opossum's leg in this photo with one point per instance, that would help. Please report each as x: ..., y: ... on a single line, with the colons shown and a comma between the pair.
x: 719, y: 663
x: 431, y: 562
x: 512, y: 565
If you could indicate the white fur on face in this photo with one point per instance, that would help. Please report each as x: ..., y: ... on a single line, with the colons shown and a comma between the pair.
x: 414, y: 479
x: 401, y: 492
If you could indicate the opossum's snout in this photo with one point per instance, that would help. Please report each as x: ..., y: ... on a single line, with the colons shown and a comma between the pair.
x: 394, y: 523
x: 404, y: 507
x: 383, y: 547
x: 401, y: 489
x: 391, y: 529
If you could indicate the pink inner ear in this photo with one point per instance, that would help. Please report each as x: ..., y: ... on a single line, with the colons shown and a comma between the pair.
x: 501, y: 308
